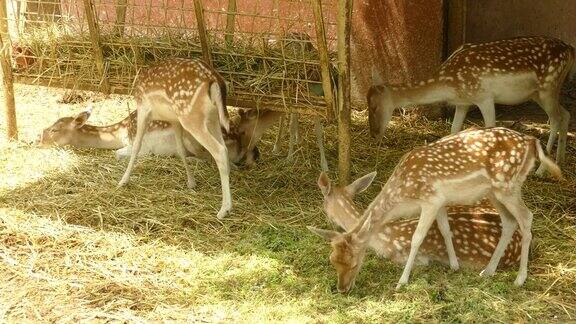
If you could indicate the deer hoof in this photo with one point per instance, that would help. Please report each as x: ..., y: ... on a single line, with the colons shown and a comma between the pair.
x: 486, y: 273
x: 221, y: 214
x: 454, y: 266
x: 520, y: 280
x: 399, y: 286
x: 122, y: 183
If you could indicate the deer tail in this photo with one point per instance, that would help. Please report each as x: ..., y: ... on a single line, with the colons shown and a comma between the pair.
x: 548, y: 164
x: 218, y: 97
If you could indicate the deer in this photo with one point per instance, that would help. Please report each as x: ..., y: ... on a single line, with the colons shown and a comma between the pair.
x: 475, y: 228
x: 158, y: 140
x: 509, y: 72
x: 297, y: 45
x: 458, y: 169
x: 191, y: 96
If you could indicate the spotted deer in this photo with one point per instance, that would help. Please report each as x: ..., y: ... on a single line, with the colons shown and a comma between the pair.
x: 158, y: 140
x: 476, y: 229
x: 456, y: 170
x: 509, y: 72
x: 190, y: 95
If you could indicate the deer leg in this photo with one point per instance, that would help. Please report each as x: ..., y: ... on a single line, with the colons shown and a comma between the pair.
x: 523, y: 215
x: 293, y: 135
x: 209, y: 135
x: 279, y: 135
x: 509, y: 225
x: 549, y: 103
x: 488, y: 112
x: 460, y: 113
x: 427, y: 217
x: 562, y: 135
x: 142, y: 120
x: 178, y: 134
x: 320, y: 142
x: 444, y: 228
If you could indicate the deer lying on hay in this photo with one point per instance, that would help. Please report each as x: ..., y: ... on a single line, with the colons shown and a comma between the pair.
x: 158, y: 140
x: 458, y: 169
x: 475, y: 229
x: 509, y: 72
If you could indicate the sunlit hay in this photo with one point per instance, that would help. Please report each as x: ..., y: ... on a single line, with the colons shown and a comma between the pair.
x: 75, y: 247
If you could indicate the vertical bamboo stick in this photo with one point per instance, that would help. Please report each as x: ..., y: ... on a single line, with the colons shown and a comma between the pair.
x: 202, y: 31
x: 21, y: 15
x: 230, y: 20
x: 121, y: 6
x: 7, y: 77
x: 344, y: 20
x: 324, y: 59
x: 96, y: 46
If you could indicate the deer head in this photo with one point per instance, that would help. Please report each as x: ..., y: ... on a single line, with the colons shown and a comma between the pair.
x: 380, y: 105
x: 338, y: 199
x: 348, y: 251
x: 64, y: 130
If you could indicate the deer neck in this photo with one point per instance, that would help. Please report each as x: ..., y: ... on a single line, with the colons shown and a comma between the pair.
x: 424, y: 93
x: 111, y: 137
x: 345, y: 214
x: 347, y: 217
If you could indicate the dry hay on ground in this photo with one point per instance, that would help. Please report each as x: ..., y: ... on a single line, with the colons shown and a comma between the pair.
x: 74, y: 247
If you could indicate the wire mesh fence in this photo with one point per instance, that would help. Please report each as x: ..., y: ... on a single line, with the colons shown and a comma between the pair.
x: 271, y: 52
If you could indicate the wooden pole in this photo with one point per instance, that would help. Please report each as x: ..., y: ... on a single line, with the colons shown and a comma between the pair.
x: 7, y: 77
x: 344, y: 20
x: 121, y: 6
x: 230, y: 21
x: 202, y: 31
x: 96, y: 46
x: 324, y: 59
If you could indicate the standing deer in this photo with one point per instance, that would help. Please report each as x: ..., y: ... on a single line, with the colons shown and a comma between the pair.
x: 158, y: 140
x: 509, y: 72
x: 458, y: 169
x: 476, y: 229
x: 191, y: 96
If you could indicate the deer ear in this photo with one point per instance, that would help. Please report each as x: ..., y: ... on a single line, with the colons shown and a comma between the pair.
x: 82, y: 118
x: 360, y: 184
x: 376, y: 77
x: 324, y: 183
x: 326, y: 234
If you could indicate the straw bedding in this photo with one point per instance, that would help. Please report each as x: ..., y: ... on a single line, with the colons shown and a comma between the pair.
x: 74, y: 247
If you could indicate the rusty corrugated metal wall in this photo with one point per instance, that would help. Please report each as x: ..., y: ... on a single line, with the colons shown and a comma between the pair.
x: 402, y: 38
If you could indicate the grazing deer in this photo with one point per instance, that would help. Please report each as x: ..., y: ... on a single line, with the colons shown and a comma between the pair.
x: 476, y: 229
x: 191, y: 96
x: 509, y: 72
x: 158, y: 140
x: 458, y: 169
